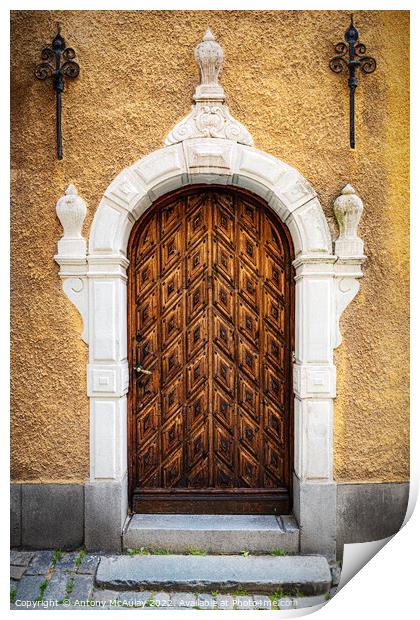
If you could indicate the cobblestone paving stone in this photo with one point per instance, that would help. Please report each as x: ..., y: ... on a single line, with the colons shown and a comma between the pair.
x: 56, y: 588
x: 134, y: 599
x: 40, y: 563
x: 244, y: 602
x: 66, y: 562
x: 21, y: 558
x: 309, y: 601
x: 183, y: 599
x: 82, y: 588
x: 16, y: 572
x: 105, y: 596
x: 206, y: 601
x: 283, y: 603
x: 224, y: 601
x: 262, y: 601
x: 70, y: 585
x: 29, y: 588
x: 161, y: 599
x: 88, y: 564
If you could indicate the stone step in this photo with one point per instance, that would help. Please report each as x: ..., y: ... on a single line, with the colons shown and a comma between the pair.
x: 212, y: 533
x: 308, y: 575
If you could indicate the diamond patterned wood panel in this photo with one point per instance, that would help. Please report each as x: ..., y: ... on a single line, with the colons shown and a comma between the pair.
x: 210, y: 317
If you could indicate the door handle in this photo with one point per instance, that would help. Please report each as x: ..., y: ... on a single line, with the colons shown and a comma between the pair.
x: 142, y: 370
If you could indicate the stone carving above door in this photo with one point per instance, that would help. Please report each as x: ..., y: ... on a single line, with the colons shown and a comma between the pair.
x: 210, y: 116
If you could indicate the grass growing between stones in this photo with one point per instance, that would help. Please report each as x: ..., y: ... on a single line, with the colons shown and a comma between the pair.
x: 194, y: 551
x: 13, y: 592
x: 145, y: 551
x: 79, y: 558
x: 245, y: 553
x: 275, y: 596
x: 139, y: 551
x: 279, y: 552
x: 69, y: 590
x: 42, y: 589
x: 150, y: 602
x: 57, y: 555
x: 70, y: 585
x: 161, y: 552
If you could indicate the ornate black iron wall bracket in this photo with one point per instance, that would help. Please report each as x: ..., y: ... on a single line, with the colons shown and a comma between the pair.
x: 57, y: 70
x: 356, y: 59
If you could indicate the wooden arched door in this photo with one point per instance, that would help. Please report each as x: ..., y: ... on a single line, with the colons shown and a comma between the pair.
x: 210, y: 338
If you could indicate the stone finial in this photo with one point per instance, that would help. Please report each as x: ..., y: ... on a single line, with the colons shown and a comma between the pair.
x: 209, y: 56
x: 71, y: 211
x: 210, y: 116
x: 71, y: 254
x: 348, y: 209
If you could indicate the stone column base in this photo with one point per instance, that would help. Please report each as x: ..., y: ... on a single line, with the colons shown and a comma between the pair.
x: 315, y: 509
x: 105, y: 513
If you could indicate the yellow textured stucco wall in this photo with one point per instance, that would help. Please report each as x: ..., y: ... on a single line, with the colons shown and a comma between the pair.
x: 137, y: 78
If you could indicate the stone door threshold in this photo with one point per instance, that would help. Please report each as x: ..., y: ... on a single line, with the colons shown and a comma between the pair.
x: 212, y: 533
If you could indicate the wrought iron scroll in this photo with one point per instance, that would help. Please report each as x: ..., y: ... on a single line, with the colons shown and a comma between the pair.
x: 58, y: 63
x: 352, y: 56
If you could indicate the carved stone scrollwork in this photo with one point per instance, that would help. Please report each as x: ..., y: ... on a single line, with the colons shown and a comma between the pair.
x: 71, y: 254
x: 77, y: 291
x: 210, y: 116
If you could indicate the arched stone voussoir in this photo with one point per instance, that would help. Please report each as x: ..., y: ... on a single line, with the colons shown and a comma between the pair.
x: 309, y: 229
x: 109, y: 229
x: 210, y: 161
x: 162, y: 171
x: 131, y: 193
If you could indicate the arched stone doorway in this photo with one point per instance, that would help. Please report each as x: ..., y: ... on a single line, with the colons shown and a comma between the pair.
x: 209, y: 147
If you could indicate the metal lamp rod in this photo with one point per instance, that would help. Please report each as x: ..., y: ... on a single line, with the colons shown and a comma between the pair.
x: 356, y: 58
x: 57, y: 71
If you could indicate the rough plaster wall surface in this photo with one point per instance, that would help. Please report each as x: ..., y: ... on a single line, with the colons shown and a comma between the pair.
x: 137, y: 74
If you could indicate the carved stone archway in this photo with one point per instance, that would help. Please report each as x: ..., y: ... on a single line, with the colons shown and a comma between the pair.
x: 211, y: 147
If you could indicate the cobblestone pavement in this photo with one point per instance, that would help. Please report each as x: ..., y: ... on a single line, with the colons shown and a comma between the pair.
x: 62, y: 580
